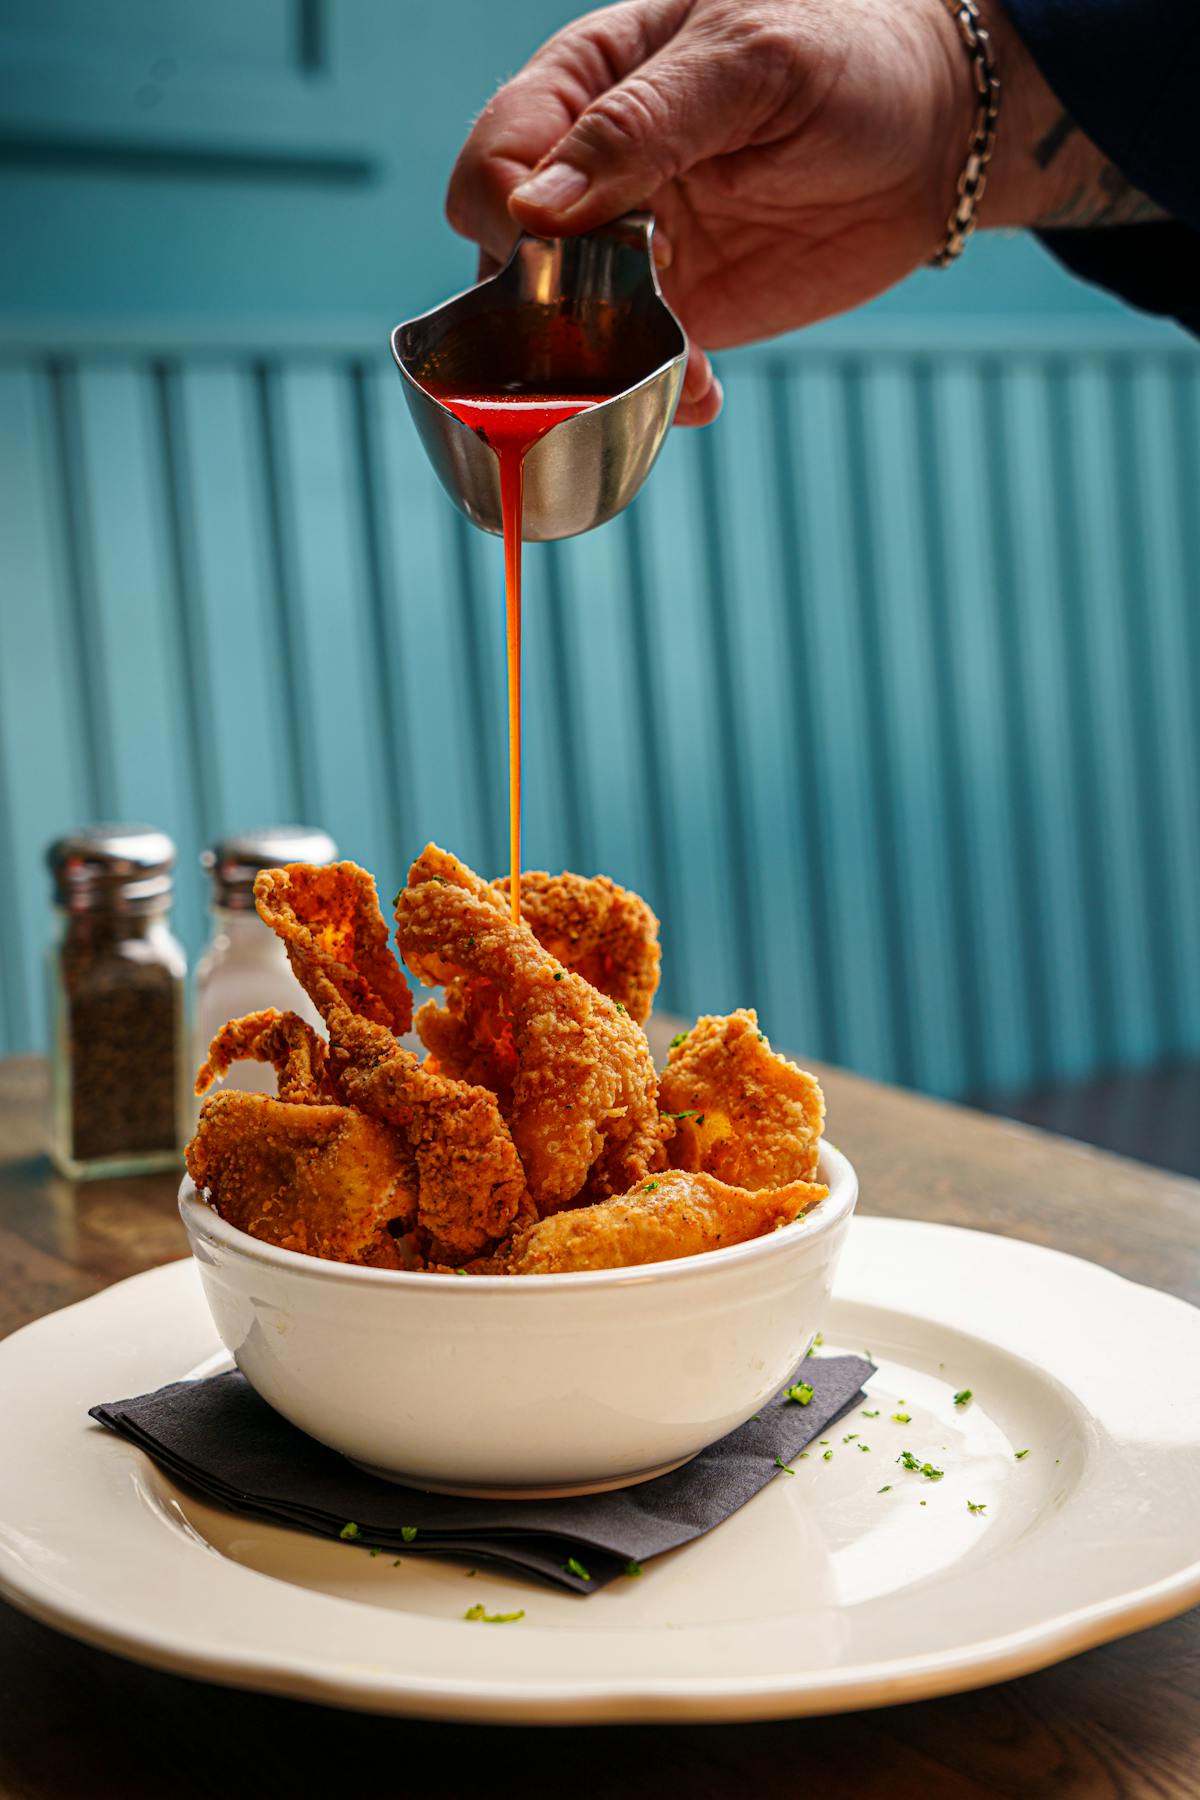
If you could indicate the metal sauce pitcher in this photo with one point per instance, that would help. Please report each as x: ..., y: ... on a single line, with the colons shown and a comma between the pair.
x: 564, y: 315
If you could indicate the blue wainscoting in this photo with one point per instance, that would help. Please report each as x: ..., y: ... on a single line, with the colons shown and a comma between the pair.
x: 885, y: 693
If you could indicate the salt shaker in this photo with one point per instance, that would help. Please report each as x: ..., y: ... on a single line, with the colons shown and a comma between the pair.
x: 117, y: 975
x: 245, y: 967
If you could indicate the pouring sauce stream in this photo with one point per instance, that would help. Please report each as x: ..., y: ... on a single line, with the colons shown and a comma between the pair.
x: 510, y: 424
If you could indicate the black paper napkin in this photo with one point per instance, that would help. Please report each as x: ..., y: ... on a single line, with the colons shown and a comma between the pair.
x: 218, y: 1438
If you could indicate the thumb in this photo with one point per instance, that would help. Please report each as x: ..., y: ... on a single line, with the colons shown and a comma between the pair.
x: 679, y: 108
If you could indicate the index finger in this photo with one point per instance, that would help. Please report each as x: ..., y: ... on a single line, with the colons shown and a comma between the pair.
x: 523, y: 122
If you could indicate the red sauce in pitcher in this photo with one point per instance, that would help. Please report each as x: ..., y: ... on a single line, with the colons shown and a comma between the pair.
x: 510, y: 424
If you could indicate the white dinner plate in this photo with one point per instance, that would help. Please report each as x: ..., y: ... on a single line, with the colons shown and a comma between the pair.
x: 822, y: 1594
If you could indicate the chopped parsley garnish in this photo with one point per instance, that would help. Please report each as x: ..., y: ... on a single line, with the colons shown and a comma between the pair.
x: 408, y: 1533
x: 681, y: 1115
x: 762, y: 1037
x: 815, y: 1345
x: 679, y: 1038
x: 963, y: 1396
x: 484, y: 1617
x: 374, y: 1550
x: 573, y: 1566
x: 976, y: 1505
x: 471, y: 942
x: 864, y: 1446
x: 471, y: 1572
x: 827, y: 1456
x: 754, y: 1418
x: 632, y: 1568
x: 801, y: 1393
x: 396, y: 901
x: 397, y: 1562
x: 786, y: 1467
x: 902, y: 1418
x: 849, y: 1437
x: 649, y: 1187
x: 886, y: 1489
x: 871, y: 1415
x: 1020, y: 1453
x: 909, y: 1461
x: 699, y: 1118
x: 559, y: 976
x: 803, y: 1454
x: 620, y: 1006
x: 441, y: 880
x: 460, y: 1271
x: 349, y: 1533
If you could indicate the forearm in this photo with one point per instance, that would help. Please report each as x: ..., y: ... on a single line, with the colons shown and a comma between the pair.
x: 1046, y: 173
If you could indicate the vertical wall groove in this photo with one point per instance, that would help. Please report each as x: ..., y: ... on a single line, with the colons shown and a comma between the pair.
x: 878, y: 692
x: 292, y: 695
x: 720, y: 598
x: 578, y: 835
x: 381, y: 598
x: 666, y: 894
x: 798, y: 605
x: 99, y: 781
x: 191, y: 657
x: 934, y: 481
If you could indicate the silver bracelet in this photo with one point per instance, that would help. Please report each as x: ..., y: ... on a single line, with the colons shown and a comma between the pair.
x: 982, y: 141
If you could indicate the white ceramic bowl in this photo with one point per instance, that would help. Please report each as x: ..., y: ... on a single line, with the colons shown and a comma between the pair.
x: 528, y: 1384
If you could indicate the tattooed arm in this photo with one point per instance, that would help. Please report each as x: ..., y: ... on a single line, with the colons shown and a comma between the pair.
x: 1048, y: 174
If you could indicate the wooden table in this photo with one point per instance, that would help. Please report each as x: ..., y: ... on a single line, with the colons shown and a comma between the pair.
x: 1123, y: 1720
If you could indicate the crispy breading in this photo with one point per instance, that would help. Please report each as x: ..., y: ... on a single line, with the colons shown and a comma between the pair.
x: 670, y: 1215
x: 741, y: 1111
x: 604, y: 932
x: 470, y: 1183
x: 582, y: 1105
x: 284, y: 1040
x: 328, y: 918
x: 322, y: 1179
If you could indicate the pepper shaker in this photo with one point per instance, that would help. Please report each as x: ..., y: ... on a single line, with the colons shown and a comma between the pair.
x: 117, y: 978
x: 245, y: 966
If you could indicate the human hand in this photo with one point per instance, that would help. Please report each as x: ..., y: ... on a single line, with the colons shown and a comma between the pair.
x: 799, y: 155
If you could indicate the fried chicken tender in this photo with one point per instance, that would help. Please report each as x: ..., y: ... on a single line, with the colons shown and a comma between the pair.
x: 581, y: 1100
x: 470, y: 1184
x: 322, y: 1179
x: 672, y: 1215
x: 329, y: 920
x: 604, y: 932
x: 741, y: 1111
x: 284, y: 1040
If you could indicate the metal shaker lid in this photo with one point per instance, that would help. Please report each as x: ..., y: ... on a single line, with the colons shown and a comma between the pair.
x: 234, y: 861
x: 117, y: 868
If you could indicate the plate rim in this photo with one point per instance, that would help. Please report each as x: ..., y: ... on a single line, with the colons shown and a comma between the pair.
x: 598, y: 1699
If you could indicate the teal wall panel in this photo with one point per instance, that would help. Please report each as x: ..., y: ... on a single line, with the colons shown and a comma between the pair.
x: 898, y: 737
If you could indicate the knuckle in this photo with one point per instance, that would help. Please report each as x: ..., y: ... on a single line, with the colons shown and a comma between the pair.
x: 627, y: 121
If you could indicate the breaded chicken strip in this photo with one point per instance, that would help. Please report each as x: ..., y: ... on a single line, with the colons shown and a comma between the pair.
x: 284, y: 1040
x: 469, y: 1181
x: 582, y: 1104
x: 329, y: 920
x: 470, y: 1184
x: 741, y: 1112
x: 671, y: 1215
x: 604, y: 932
x: 321, y: 1179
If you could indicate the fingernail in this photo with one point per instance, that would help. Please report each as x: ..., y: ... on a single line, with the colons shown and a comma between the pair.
x: 663, y: 253
x: 555, y: 187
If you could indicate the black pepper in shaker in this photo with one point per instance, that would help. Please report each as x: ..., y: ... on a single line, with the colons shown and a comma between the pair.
x: 119, y: 1076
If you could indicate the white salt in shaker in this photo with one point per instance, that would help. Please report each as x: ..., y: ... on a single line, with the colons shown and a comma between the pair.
x: 245, y: 967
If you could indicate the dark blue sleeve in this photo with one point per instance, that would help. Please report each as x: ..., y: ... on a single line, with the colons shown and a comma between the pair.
x: 1127, y: 72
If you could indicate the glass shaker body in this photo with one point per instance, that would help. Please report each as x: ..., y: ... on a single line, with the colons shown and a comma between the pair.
x: 118, y: 981
x: 245, y: 967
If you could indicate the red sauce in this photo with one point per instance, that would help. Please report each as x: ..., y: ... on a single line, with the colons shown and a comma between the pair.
x: 510, y: 424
